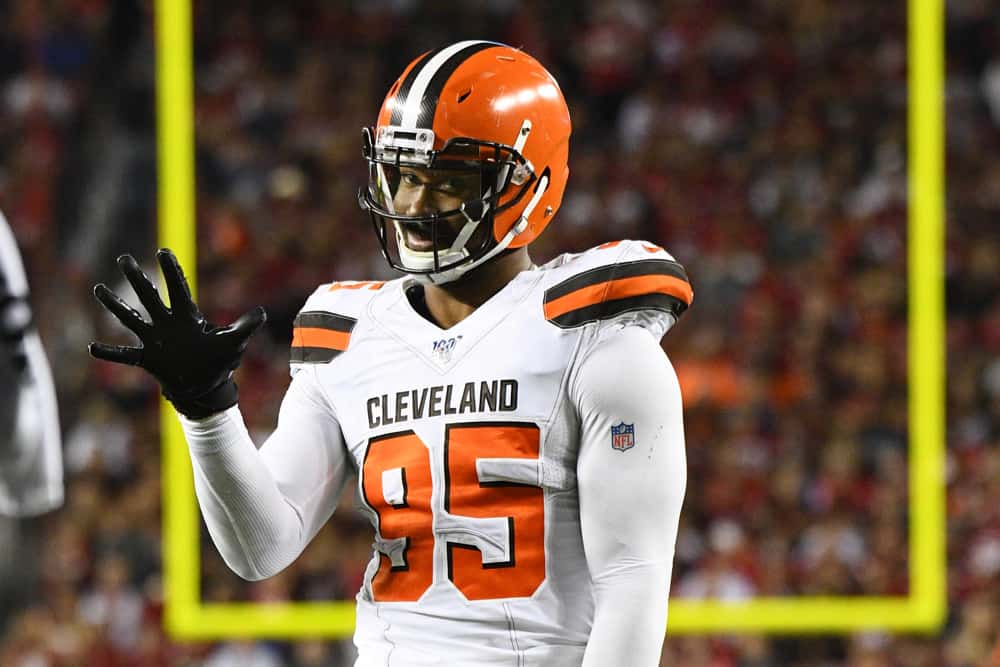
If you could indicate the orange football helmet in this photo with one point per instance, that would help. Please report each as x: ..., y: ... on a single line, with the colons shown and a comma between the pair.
x: 477, y: 108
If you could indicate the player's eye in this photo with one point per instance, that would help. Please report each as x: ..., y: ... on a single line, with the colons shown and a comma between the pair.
x: 457, y: 185
x: 411, y: 179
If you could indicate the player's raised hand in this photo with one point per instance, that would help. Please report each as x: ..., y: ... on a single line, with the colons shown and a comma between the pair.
x: 192, y: 359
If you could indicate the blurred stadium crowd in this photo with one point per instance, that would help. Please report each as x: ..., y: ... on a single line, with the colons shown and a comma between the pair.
x: 763, y: 143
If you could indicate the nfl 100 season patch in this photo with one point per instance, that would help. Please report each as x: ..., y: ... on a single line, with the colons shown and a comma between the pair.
x: 623, y: 436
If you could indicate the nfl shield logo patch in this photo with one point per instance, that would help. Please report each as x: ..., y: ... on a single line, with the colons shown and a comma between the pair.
x: 623, y: 436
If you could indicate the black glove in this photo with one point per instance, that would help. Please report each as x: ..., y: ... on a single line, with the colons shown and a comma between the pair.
x: 192, y: 359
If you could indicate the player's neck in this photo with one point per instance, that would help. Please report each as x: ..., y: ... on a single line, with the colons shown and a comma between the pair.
x: 451, y: 303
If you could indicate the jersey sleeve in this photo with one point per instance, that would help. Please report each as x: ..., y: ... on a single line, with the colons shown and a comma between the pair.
x: 322, y: 329
x: 630, y: 282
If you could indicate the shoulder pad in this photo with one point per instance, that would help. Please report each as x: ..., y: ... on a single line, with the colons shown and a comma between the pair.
x: 613, y: 279
x: 322, y: 329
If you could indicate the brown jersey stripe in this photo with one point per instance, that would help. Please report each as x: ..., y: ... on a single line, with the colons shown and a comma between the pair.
x: 608, y: 309
x: 608, y: 272
x: 312, y: 355
x: 323, y: 338
x: 321, y: 319
x: 621, y: 288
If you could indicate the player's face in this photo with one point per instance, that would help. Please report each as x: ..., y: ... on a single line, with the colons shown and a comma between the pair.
x: 428, y: 191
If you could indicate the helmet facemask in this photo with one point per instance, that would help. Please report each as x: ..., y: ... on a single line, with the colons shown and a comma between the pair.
x: 434, y: 209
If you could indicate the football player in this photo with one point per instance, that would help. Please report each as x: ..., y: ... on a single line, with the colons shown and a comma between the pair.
x: 515, y: 429
x: 30, y: 444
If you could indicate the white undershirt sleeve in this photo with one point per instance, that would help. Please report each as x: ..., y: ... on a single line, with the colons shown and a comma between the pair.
x: 630, y: 499
x: 263, y: 507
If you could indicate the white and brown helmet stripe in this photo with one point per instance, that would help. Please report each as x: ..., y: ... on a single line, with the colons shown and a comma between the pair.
x: 416, y: 101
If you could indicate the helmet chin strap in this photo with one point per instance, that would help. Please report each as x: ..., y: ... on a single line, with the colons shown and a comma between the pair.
x: 450, y: 275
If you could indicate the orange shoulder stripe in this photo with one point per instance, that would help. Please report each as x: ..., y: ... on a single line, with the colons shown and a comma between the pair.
x: 321, y: 338
x: 621, y: 288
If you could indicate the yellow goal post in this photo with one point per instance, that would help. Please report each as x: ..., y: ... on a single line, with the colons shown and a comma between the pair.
x: 187, y: 617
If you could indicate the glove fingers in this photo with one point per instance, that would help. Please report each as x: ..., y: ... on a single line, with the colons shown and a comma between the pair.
x: 177, y: 284
x: 144, y: 288
x: 125, y: 313
x: 247, y: 324
x: 118, y: 354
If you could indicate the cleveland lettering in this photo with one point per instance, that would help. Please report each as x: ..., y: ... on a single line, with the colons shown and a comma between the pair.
x: 448, y: 399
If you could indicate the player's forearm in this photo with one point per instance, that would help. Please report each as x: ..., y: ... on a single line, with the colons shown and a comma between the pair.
x: 630, y: 615
x: 254, y: 527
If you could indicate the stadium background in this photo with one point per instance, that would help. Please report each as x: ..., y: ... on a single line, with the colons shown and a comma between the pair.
x: 762, y: 142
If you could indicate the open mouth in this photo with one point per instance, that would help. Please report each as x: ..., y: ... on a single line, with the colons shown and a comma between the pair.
x: 419, y: 236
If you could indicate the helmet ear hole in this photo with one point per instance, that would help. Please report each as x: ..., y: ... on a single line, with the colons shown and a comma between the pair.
x: 546, y: 174
x: 464, y: 94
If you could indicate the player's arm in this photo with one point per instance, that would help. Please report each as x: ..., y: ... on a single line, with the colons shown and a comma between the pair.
x: 630, y: 501
x: 30, y: 442
x: 261, y: 507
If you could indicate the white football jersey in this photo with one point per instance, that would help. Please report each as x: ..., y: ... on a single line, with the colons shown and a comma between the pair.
x: 30, y: 442
x: 466, y: 443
